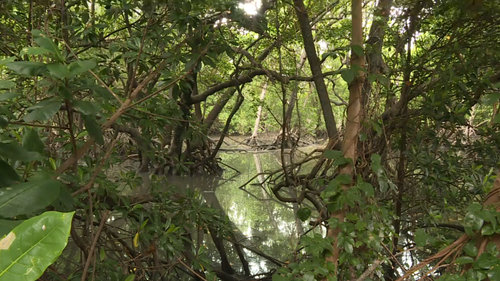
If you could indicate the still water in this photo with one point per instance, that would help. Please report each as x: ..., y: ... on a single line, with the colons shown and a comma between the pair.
x: 265, y: 227
x: 244, y: 194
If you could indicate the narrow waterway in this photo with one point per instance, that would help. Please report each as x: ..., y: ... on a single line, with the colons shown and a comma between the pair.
x: 265, y: 226
x: 244, y: 194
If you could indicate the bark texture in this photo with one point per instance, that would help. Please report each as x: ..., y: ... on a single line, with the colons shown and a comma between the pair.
x: 315, y: 64
x: 255, y: 133
x: 349, y: 144
x: 375, y: 42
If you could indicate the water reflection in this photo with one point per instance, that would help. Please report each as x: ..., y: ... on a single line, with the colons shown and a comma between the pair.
x: 260, y: 221
x: 267, y: 231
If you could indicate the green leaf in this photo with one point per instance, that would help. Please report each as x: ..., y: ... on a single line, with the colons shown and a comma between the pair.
x: 6, y: 226
x: 376, y: 165
x: 32, y: 246
x: 7, y: 60
x: 421, y: 238
x: 494, y: 273
x: 304, y: 213
x: 16, y: 152
x: 348, y: 75
x: 486, y: 261
x: 64, y: 92
x: 65, y: 202
x: 8, y: 176
x: 8, y: 95
x: 344, y: 178
x: 79, y: 67
x: 4, y: 84
x: 85, y: 107
x: 28, y: 68
x: 492, y: 248
x: 490, y: 99
x: 334, y: 55
x: 43, y: 110
x: 34, y: 51
x: 277, y: 277
x: 332, y: 154
x: 3, y: 122
x: 58, y: 70
x: 93, y: 128
x: 348, y: 248
x: 28, y: 197
x: 100, y: 91
x: 332, y: 278
x: 131, y: 277
x: 496, y: 120
x: 308, y: 276
x: 358, y: 50
x: 473, y: 221
x: 464, y: 260
x: 32, y: 142
x: 487, y: 230
x: 45, y: 42
x: 367, y: 189
x: 470, y: 249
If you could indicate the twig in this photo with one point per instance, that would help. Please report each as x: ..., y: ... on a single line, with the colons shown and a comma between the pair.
x: 37, y: 125
x: 98, y: 169
x: 369, y: 270
x: 93, y: 74
x: 141, y: 47
x: 394, y: 257
x: 443, y: 253
x: 190, y: 269
x: 94, y: 243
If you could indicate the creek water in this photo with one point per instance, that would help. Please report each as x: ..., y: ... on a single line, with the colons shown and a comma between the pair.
x: 244, y: 194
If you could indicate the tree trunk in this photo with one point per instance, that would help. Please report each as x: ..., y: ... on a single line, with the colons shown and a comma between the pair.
x: 353, y: 122
x: 375, y: 62
x: 253, y: 138
x: 293, y: 96
x: 315, y: 64
x: 214, y: 113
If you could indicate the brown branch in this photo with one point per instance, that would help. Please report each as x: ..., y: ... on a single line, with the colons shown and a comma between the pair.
x: 247, y: 78
x: 94, y: 243
x: 64, y: 166
x: 98, y: 169
x: 37, y: 125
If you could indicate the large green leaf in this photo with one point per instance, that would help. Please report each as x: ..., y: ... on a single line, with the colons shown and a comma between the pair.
x: 32, y: 246
x: 358, y: 50
x: 85, y: 107
x: 81, y: 66
x: 100, y: 91
x: 43, y: 111
x: 7, y: 60
x: 5, y: 84
x: 6, y: 226
x: 27, y: 197
x: 8, y: 95
x: 28, y: 68
x: 93, y: 128
x: 8, y: 176
x: 3, y: 122
x: 16, y: 152
x: 34, y: 51
x: 348, y: 75
x: 32, y: 141
x: 58, y: 70
x: 45, y: 42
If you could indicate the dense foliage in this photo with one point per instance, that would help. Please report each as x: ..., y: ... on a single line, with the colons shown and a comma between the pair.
x: 116, y: 116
